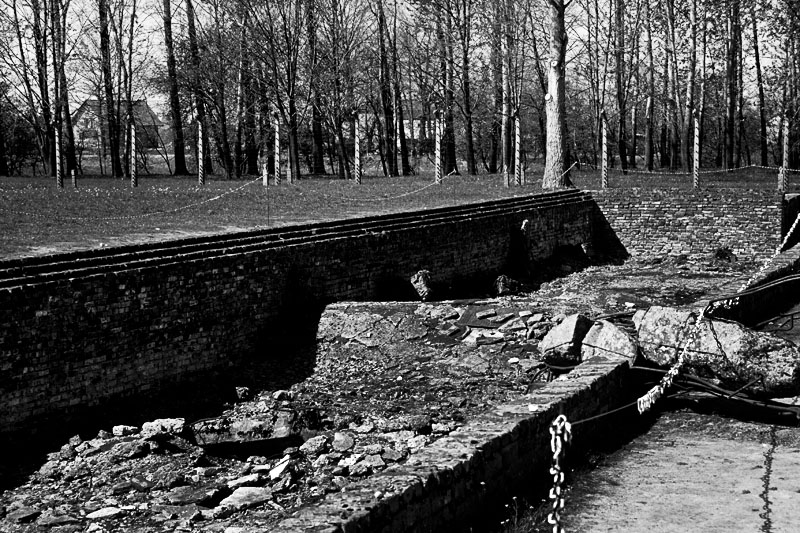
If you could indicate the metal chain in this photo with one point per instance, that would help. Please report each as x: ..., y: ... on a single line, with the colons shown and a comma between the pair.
x: 646, y: 402
x: 651, y: 397
x: 712, y: 171
x: 560, y: 436
x: 777, y: 252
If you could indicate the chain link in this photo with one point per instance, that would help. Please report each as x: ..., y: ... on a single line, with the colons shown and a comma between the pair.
x: 652, y: 396
x: 560, y: 436
x: 646, y: 402
x: 713, y: 171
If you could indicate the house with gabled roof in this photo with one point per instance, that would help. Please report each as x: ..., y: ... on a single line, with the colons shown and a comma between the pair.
x: 91, y: 129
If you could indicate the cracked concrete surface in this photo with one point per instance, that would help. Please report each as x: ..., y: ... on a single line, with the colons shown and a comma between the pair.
x: 693, y: 472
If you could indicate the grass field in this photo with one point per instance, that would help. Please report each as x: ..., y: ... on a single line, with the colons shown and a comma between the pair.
x: 36, y: 217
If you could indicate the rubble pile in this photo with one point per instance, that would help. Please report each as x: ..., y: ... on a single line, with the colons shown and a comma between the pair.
x: 389, y: 379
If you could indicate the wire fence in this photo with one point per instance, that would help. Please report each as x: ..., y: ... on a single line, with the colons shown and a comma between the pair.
x: 317, y: 199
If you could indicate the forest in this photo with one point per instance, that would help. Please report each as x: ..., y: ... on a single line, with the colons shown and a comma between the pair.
x: 228, y: 74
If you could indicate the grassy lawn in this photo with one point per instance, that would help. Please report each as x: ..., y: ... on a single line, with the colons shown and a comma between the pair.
x: 38, y: 218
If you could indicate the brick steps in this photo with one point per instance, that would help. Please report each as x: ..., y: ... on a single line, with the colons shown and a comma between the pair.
x: 37, y: 270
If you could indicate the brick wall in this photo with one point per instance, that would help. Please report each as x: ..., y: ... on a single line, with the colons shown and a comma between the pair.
x: 76, y: 343
x: 651, y: 222
x: 459, y: 481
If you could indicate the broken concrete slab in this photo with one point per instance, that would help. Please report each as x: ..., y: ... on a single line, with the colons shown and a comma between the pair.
x: 277, y: 424
x: 727, y: 353
x: 604, y: 339
x: 562, y: 344
x: 422, y: 283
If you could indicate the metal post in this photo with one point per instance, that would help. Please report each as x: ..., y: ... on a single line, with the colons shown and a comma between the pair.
x: 134, y: 177
x: 277, y: 151
x: 782, y: 173
x: 201, y: 156
x: 696, y: 152
x: 357, y: 155
x: 59, y: 173
x: 517, y: 146
x: 438, y: 150
x: 604, y: 152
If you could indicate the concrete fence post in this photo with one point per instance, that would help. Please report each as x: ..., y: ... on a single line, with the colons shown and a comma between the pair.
x: 517, y: 149
x: 59, y: 173
x: 134, y: 177
x: 201, y: 156
x: 696, y: 151
x: 604, y: 151
x: 438, y: 149
x: 783, y: 172
x: 357, y: 149
x: 277, y: 151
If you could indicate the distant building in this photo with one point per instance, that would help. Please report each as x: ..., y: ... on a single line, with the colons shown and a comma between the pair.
x: 91, y: 128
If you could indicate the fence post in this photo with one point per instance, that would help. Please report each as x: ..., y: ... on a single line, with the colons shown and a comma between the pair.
x: 134, y: 177
x: 604, y: 151
x: 438, y: 149
x: 696, y: 152
x: 74, y: 179
x: 357, y: 148
x: 277, y: 165
x: 59, y: 173
x: 201, y: 155
x: 517, y: 148
x: 782, y: 173
x: 265, y: 172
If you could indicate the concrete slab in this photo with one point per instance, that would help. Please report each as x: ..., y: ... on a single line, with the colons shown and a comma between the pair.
x: 693, y: 473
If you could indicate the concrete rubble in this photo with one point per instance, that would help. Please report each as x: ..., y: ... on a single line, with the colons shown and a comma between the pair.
x: 389, y: 380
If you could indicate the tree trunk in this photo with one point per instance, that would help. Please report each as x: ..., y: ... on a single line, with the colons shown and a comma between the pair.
x: 241, y: 98
x: 731, y: 77
x: 621, y: 96
x: 199, y: 101
x: 176, y: 116
x: 675, y: 120
x: 465, y: 33
x: 554, y: 169
x: 111, y: 114
x: 497, y: 67
x: 294, y: 144
x: 386, y: 94
x: 449, y: 164
x: 762, y: 115
x: 317, y: 141
x: 688, y: 126
x: 651, y: 92
x: 4, y: 170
